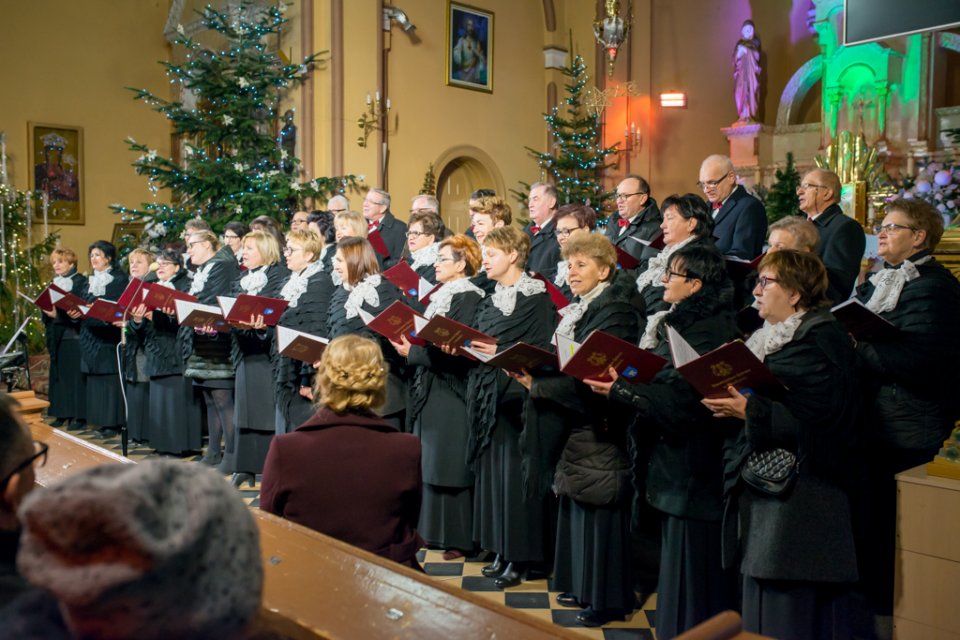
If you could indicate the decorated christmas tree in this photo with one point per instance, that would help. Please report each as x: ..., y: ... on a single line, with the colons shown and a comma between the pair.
x: 237, y: 162
x: 429, y: 186
x: 577, y: 158
x: 782, y: 199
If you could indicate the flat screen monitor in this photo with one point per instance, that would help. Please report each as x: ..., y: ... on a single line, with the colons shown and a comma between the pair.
x: 870, y: 20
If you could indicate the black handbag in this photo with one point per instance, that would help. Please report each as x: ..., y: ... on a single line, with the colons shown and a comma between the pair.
x: 771, y: 472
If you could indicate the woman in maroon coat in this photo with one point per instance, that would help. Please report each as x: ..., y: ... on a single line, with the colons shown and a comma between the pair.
x: 345, y: 472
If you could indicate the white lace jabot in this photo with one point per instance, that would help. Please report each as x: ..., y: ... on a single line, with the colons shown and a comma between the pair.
x: 649, y: 338
x: 442, y: 298
x: 200, y: 278
x: 505, y: 298
x: 563, y: 269
x: 364, y: 291
x: 254, y: 280
x: 98, y: 282
x: 297, y: 283
x: 770, y: 338
x: 657, y: 265
x: 571, y: 314
x: 425, y: 257
x: 888, y: 284
x: 64, y: 282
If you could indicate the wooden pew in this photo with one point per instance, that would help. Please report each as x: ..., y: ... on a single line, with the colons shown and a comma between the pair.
x: 318, y: 587
x: 723, y: 626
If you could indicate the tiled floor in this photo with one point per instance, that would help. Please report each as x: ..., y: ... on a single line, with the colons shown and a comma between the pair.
x: 534, y: 597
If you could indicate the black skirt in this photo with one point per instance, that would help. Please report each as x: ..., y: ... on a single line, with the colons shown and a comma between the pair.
x: 446, y: 517
x: 504, y: 520
x: 254, y: 394
x: 795, y: 610
x: 593, y: 553
x: 175, y: 424
x: 68, y: 386
x: 693, y: 585
x: 104, y: 400
x: 138, y: 410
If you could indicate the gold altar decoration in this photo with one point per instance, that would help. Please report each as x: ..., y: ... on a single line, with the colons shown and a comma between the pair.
x: 859, y: 169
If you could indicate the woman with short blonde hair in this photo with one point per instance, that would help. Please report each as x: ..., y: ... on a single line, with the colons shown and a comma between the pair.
x: 67, y: 392
x: 350, y: 224
x: 345, y: 472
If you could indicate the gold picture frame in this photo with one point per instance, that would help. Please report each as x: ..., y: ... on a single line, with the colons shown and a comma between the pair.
x: 56, y: 168
x: 469, y: 47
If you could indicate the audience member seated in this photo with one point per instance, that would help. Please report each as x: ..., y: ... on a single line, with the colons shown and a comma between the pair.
x: 345, y: 472
x: 159, y: 549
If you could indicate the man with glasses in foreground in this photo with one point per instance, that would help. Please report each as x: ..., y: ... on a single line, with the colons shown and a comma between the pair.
x: 18, y: 455
x: 842, y: 242
x: 638, y: 217
x: 739, y: 219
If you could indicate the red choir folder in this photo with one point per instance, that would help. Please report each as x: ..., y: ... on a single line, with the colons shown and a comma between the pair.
x: 625, y: 260
x: 396, y: 320
x: 160, y: 297
x: 66, y: 301
x: 516, y: 358
x: 731, y: 364
x: 201, y: 316
x: 556, y: 296
x: 134, y: 289
x: 43, y: 300
x: 105, y: 310
x: 600, y: 351
x: 655, y: 242
x: 862, y: 323
x: 740, y: 268
x: 408, y: 280
x: 239, y: 310
x: 299, y: 345
x: 376, y: 241
x: 444, y: 331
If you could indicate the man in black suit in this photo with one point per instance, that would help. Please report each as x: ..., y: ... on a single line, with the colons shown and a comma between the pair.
x: 638, y: 216
x: 842, y: 241
x: 544, y: 249
x: 376, y: 209
x: 739, y: 219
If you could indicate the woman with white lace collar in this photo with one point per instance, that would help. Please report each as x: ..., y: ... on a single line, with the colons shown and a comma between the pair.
x: 98, y: 342
x: 912, y: 397
x: 173, y: 416
x: 797, y: 553
x: 321, y: 223
x: 254, y: 407
x: 576, y: 443
x: 684, y: 475
x: 424, y: 233
x: 233, y: 233
x: 571, y: 220
x: 136, y: 380
x: 67, y: 391
x: 686, y: 221
x: 364, y: 288
x: 208, y: 363
x: 508, y: 522
x: 308, y: 290
x: 437, y: 405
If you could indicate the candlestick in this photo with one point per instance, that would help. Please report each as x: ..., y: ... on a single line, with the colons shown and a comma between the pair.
x: 46, y: 205
x: 3, y: 157
x: 3, y: 242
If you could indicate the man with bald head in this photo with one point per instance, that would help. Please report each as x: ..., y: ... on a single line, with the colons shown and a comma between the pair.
x: 739, y: 219
x: 638, y: 217
x: 338, y: 204
x: 544, y: 250
x: 842, y: 242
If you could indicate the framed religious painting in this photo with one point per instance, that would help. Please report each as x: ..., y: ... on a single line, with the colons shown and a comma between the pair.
x: 56, y: 159
x: 469, y: 47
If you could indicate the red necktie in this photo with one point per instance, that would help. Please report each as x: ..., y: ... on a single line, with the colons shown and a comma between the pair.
x: 622, y: 222
x: 534, y: 229
x: 716, y: 205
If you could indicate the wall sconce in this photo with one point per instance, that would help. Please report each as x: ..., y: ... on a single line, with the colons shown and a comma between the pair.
x: 612, y: 31
x: 632, y: 138
x: 673, y: 100
x: 372, y: 119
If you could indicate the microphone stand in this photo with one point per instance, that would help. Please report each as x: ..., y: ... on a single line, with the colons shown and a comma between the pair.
x: 122, y: 349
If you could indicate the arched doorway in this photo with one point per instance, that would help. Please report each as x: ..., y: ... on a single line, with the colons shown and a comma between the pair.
x: 463, y: 170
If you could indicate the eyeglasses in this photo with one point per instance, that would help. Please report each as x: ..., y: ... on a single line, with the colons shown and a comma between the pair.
x: 890, y: 228
x: 763, y: 281
x: 190, y: 244
x: 230, y: 237
x: 164, y: 263
x: 374, y: 202
x: 563, y: 233
x: 712, y: 184
x: 624, y: 196
x: 668, y: 274
x: 423, y: 210
x: 442, y: 259
x: 417, y: 234
x: 40, y: 454
x: 336, y: 211
x: 804, y: 186
x: 289, y: 250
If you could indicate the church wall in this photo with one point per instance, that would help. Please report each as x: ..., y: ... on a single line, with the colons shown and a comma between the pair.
x: 67, y: 63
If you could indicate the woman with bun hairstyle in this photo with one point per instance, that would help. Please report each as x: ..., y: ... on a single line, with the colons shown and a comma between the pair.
x: 345, y: 472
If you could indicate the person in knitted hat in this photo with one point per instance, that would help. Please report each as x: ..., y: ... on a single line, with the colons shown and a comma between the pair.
x: 159, y: 549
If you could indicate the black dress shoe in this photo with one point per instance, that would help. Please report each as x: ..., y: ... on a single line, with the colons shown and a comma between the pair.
x: 568, y: 600
x: 77, y: 425
x: 493, y: 569
x: 105, y: 433
x: 239, y: 478
x: 511, y: 576
x: 591, y: 617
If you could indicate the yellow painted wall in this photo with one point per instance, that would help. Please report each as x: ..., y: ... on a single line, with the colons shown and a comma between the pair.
x: 67, y: 62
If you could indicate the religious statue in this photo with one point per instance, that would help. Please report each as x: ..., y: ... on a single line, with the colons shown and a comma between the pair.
x: 746, y: 73
x: 288, y: 142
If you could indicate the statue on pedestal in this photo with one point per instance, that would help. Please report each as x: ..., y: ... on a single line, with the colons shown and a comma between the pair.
x: 746, y: 73
x: 287, y: 141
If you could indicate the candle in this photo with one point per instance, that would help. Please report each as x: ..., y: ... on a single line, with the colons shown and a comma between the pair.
x: 388, y: 104
x: 46, y: 204
x: 378, y: 96
x: 368, y: 98
x: 3, y: 157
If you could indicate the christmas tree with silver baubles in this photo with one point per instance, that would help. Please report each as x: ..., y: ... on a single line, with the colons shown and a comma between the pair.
x: 237, y: 162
